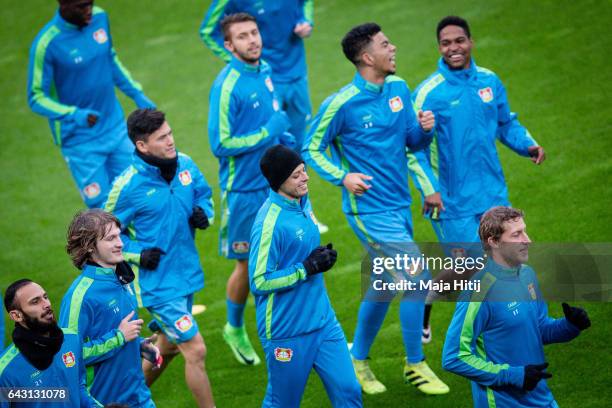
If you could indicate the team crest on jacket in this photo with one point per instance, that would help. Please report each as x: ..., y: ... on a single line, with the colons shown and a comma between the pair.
x: 68, y: 359
x: 269, y: 84
x: 283, y: 354
x: 486, y: 94
x: 92, y: 190
x: 100, y: 36
x: 184, y: 323
x: 396, y: 104
x: 532, y: 292
x: 185, y: 177
x: 240, y: 247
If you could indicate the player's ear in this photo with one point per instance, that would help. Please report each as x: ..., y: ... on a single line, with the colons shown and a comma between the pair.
x: 228, y: 46
x: 367, y: 59
x: 141, y: 146
x: 16, y: 315
x: 493, y: 243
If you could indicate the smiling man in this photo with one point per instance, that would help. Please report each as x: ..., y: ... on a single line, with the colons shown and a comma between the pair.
x: 243, y: 119
x: 368, y: 125
x: 497, y: 335
x: 100, y: 305
x: 296, y: 323
x: 72, y: 76
x: 160, y: 200
x: 42, y: 355
x: 460, y: 175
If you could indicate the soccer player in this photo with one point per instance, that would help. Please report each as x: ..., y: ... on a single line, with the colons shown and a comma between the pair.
x: 101, y: 307
x: 42, y: 355
x: 497, y: 335
x: 296, y: 323
x: 283, y: 26
x: 243, y: 120
x: 460, y: 175
x: 368, y: 124
x: 72, y: 76
x: 160, y: 200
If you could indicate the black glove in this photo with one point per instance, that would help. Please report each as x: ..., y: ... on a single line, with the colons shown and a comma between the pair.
x: 576, y: 316
x: 149, y: 258
x: 533, y: 374
x: 199, y: 219
x: 124, y: 273
x: 321, y: 259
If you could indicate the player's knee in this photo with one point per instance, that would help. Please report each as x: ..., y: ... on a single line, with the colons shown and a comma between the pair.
x: 195, y: 353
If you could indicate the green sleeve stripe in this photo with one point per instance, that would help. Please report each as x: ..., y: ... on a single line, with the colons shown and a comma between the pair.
x: 427, y: 87
x: 225, y: 136
x: 207, y: 30
x: 76, y: 301
x: 97, y: 10
x: 267, y: 234
x: 313, y: 148
x: 417, y: 169
x: 308, y: 10
x: 394, y: 78
x: 118, y: 186
x: 37, y: 75
x: 68, y: 330
x: 100, y: 349
x: 8, y: 356
x: 231, y: 164
x: 269, y: 306
x: 137, y: 288
x: 485, y: 71
x: 125, y: 72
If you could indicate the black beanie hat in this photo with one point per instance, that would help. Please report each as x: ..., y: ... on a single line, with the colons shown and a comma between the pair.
x: 277, y: 164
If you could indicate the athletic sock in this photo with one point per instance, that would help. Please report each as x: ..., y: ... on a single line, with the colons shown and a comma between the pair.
x: 369, y: 319
x: 411, y: 320
x: 235, y: 313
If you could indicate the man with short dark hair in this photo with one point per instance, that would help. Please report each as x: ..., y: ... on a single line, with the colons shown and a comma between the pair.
x: 72, y: 75
x: 460, y: 175
x: 161, y: 199
x: 100, y: 305
x: 244, y: 118
x: 42, y: 355
x: 497, y: 335
x: 368, y: 125
x: 296, y: 323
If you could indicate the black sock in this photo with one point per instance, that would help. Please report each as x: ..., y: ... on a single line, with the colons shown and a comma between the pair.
x: 428, y: 307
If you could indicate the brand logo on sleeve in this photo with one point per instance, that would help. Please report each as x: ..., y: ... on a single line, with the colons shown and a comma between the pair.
x: 486, y: 94
x: 283, y: 355
x: 100, y: 36
x: 532, y: 291
x: 184, y: 323
x: 92, y: 190
x: 68, y: 359
x: 396, y: 104
x: 185, y: 177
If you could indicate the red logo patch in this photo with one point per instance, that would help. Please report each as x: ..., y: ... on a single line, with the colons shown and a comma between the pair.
x: 486, y: 94
x: 100, y: 36
x: 184, y: 323
x: 92, y: 190
x: 185, y: 177
x: 68, y: 359
x: 240, y: 247
x: 283, y: 354
x: 396, y: 104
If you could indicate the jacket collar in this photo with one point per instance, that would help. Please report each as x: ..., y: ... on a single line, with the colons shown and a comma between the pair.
x: 364, y: 85
x: 245, y: 68
x: 63, y: 24
x: 457, y: 76
x: 287, y: 204
x: 500, y: 271
x: 99, y: 273
x: 144, y: 167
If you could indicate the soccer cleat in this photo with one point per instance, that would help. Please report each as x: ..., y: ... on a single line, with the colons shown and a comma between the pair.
x: 426, y: 335
x: 238, y: 340
x: 365, y: 376
x: 426, y: 381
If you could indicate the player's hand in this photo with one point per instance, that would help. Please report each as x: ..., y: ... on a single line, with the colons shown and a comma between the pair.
x: 130, y: 328
x: 150, y: 257
x: 537, y: 154
x: 356, y: 183
x: 433, y: 205
x: 426, y: 119
x: 150, y: 352
x: 198, y: 218
x: 303, y: 30
x: 86, y: 117
x: 142, y: 102
x: 321, y: 259
x: 277, y: 124
x: 576, y: 316
x: 287, y: 139
x: 533, y: 374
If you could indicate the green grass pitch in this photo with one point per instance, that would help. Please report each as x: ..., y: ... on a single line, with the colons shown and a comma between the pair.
x: 553, y: 57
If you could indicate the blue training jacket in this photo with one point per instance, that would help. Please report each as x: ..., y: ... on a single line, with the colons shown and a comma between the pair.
x: 288, y: 302
x: 367, y: 128
x: 497, y: 331
x: 241, y: 102
x: 276, y: 20
x: 472, y: 112
x: 75, y: 68
x: 94, y: 306
x: 67, y: 371
x: 154, y: 213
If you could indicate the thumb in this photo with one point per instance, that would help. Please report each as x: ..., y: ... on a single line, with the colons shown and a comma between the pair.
x: 364, y: 176
x: 128, y: 317
x: 420, y: 113
x: 545, y: 375
x: 566, y: 308
x: 329, y: 246
x: 540, y: 367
